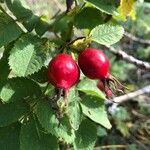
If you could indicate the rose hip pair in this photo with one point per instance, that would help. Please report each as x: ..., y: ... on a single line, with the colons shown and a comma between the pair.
x: 63, y: 71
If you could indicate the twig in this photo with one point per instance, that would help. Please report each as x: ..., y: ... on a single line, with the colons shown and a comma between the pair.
x: 131, y: 95
x: 137, y: 39
x: 130, y: 58
x: 109, y: 146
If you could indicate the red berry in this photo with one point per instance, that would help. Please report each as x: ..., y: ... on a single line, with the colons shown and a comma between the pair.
x: 94, y: 63
x: 108, y: 93
x: 101, y: 86
x: 63, y: 72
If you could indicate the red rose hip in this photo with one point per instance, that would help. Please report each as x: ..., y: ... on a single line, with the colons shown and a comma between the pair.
x: 108, y: 93
x: 101, y: 86
x: 63, y: 72
x: 94, y: 63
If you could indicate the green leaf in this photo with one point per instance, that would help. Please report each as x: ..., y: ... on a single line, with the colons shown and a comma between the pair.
x: 121, y: 114
x: 11, y: 112
x: 40, y: 76
x: 106, y: 6
x: 85, y: 136
x: 74, y: 114
x: 27, y: 56
x: 31, y: 23
x: 131, y: 147
x: 73, y: 110
x: 49, y: 122
x: 63, y: 24
x: 107, y: 34
x: 26, y: 16
x: 19, y: 9
x: 123, y: 128
x: 9, y: 137
x: 60, y: 23
x: 89, y: 86
x: 93, y: 108
x: 33, y: 138
x: 88, y: 13
x: 19, y: 88
x: 101, y: 131
x: 72, y: 95
x: 9, y: 30
x: 41, y: 27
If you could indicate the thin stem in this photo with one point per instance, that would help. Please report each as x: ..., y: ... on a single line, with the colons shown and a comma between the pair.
x: 66, y: 96
x: 45, y: 88
x: 60, y: 91
x: 76, y: 2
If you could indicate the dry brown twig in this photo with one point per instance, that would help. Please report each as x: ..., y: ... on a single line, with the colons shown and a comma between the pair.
x: 110, y: 146
x: 129, y: 58
x: 137, y: 39
x: 126, y: 97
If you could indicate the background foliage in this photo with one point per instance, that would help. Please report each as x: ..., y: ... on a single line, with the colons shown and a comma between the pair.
x: 31, y: 33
